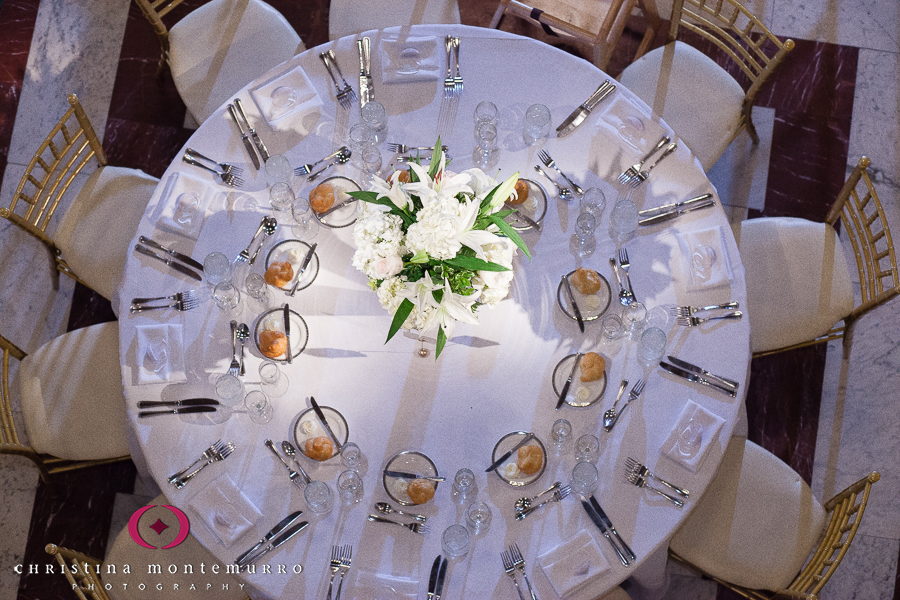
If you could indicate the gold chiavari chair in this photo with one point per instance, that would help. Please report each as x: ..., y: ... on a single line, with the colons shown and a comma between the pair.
x: 81, y: 571
x: 596, y: 23
x: 798, y: 279
x: 71, y: 401
x: 705, y: 105
x: 764, y: 549
x: 84, y: 246
x: 219, y: 47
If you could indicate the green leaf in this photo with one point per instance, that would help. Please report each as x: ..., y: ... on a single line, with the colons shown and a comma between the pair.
x: 435, y: 159
x: 366, y: 197
x: 400, y: 317
x: 438, y: 295
x: 441, y: 341
x: 474, y: 264
x: 511, y: 234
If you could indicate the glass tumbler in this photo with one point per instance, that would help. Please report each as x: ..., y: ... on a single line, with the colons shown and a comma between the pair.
x: 587, y: 449
x: 478, y: 517
x: 273, y: 382
x: 259, y: 407
x: 278, y: 168
x: 584, y: 478
x: 228, y: 298
x: 371, y: 159
x: 217, y: 268
x: 350, y: 487
x: 455, y: 541
x: 536, y: 123
x: 464, y: 486
x: 652, y: 346
x: 623, y: 221
x: 229, y: 389
x: 593, y: 202
x: 362, y: 136
x: 634, y: 317
x: 374, y: 115
x: 318, y: 496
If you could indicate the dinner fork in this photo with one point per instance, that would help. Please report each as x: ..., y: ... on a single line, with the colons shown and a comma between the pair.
x: 510, y: 568
x: 641, y: 176
x: 347, y: 91
x: 403, y: 148
x: 414, y: 527
x: 519, y: 563
x: 207, y: 455
x: 335, y: 566
x: 345, y: 95
x: 179, y: 305
x: 688, y: 311
x: 632, y: 395
x: 346, y: 559
x: 563, y: 192
x: 633, y: 466
x: 244, y: 256
x: 694, y: 321
x: 180, y: 296
x: 227, y: 178
x: 625, y: 264
x: 632, y: 171
x: 221, y: 455
x: 457, y: 80
x: 235, y: 368
x: 558, y: 495
x: 449, y: 82
x: 228, y: 168
x: 548, y: 161
x: 635, y: 479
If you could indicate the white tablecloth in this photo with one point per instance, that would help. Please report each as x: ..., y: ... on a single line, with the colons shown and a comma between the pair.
x: 490, y: 380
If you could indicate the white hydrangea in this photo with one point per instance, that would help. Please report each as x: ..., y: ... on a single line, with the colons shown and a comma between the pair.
x: 378, y: 237
x: 436, y: 230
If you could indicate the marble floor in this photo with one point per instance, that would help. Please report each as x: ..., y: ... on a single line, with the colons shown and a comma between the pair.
x: 831, y: 417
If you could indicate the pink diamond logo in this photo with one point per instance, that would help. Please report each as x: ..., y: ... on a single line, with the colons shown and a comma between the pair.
x: 159, y: 527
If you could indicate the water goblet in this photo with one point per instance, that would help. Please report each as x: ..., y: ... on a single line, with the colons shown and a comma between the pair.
x: 623, y: 221
x: 486, y: 153
x: 305, y: 225
x: 217, y: 268
x: 258, y: 293
x: 350, y: 487
x: 634, y: 317
x: 611, y: 328
x: 278, y: 168
x: 229, y: 389
x: 455, y: 541
x: 485, y: 112
x: 593, y: 201
x: 587, y: 448
x: 536, y: 123
x: 584, y: 478
x: 371, y: 159
x: 351, y: 456
x: 584, y: 243
x: 273, y: 382
x: 464, y: 486
x: 560, y: 433
x: 259, y: 407
x: 361, y: 136
x: 651, y: 347
x: 478, y: 517
x: 374, y: 115
x: 318, y: 496
x: 228, y: 298
x: 281, y: 196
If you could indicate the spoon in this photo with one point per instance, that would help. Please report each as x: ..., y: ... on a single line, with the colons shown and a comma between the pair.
x: 525, y: 502
x: 289, y: 450
x: 243, y: 334
x: 610, y: 416
x: 563, y: 192
x: 384, y: 507
x: 341, y: 159
x: 269, y: 226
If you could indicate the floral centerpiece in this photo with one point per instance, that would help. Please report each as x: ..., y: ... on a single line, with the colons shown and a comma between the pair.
x: 434, y: 245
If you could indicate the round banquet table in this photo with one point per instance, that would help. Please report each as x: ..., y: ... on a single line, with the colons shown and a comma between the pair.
x: 491, y: 379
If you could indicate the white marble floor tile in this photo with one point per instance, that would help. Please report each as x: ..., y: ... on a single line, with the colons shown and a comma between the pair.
x: 741, y: 174
x: 124, y: 506
x: 863, y: 23
x: 75, y: 48
x: 875, y: 127
x: 867, y: 571
x: 15, y: 518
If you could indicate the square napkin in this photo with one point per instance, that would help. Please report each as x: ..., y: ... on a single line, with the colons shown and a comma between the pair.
x: 224, y: 509
x: 633, y: 124
x: 411, y: 59
x: 689, y: 440
x: 706, y: 256
x: 286, y: 100
x: 160, y: 353
x: 572, y: 564
x: 183, y: 206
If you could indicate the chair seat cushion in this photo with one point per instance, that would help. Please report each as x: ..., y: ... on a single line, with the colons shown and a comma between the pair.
x: 222, y: 46
x: 798, y: 283
x: 346, y: 17
x: 189, y: 554
x: 694, y: 95
x: 96, y: 231
x: 72, y: 399
x: 756, y: 524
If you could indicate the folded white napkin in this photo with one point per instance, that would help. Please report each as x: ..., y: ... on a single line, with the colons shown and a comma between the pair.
x: 286, y: 100
x: 572, y: 564
x: 689, y: 440
x: 224, y: 509
x: 381, y: 586
x: 160, y: 353
x: 183, y: 206
x: 411, y: 59
x: 632, y: 124
x: 706, y: 256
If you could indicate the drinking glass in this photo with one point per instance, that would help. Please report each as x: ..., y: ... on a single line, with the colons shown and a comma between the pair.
x: 560, y: 433
x: 319, y: 498
x: 351, y: 456
x: 593, y: 202
x: 464, y: 486
x: 623, y: 221
x: 278, y: 168
x: 485, y: 112
x: 584, y: 478
x: 611, y: 328
x: 371, y: 159
x: 361, y: 136
x: 259, y: 407
x: 228, y: 298
x: 587, y: 449
x: 217, y: 268
x: 281, y: 196
x: 478, y: 517
x: 486, y: 153
x: 273, y: 382
x: 652, y: 346
x: 536, y: 123
x: 305, y: 225
x: 584, y: 241
x: 258, y: 292
x: 350, y: 487
x: 634, y: 317
x: 455, y: 541
x: 229, y: 388
x: 374, y: 115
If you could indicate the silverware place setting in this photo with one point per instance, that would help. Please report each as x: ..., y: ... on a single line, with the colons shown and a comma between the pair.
x: 641, y: 482
x: 366, y: 87
x: 281, y: 526
x: 415, y: 527
x: 213, y: 454
x: 549, y: 162
x: 404, y: 149
x: 556, y: 496
x: 344, y: 95
x: 525, y: 502
x: 688, y: 311
x: 177, y: 255
x: 633, y: 466
x: 227, y: 178
x: 642, y: 176
x: 228, y: 168
x: 281, y: 533
x: 564, y: 193
x: 625, y: 265
x: 437, y: 578
x: 340, y: 562
x: 695, y: 374
x: 257, y: 142
x: 633, y: 395
x: 604, y: 524
x: 582, y: 112
x: 519, y: 563
x: 626, y: 295
x: 180, y: 301
x: 660, y: 214
x: 170, y: 262
x: 695, y: 321
x: 631, y: 172
x: 268, y: 226
x: 308, y: 168
x: 298, y: 478
x: 386, y: 509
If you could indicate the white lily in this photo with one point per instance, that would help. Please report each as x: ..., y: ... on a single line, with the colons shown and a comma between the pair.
x: 391, y: 189
x: 504, y: 191
x: 428, y: 189
x: 474, y: 238
x: 450, y: 310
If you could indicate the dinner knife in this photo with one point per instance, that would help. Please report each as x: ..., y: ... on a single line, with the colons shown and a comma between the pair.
x: 523, y: 216
x: 285, y: 536
x: 188, y: 402
x: 367, y: 53
x: 696, y: 378
x: 405, y: 475
x: 675, y: 213
x: 306, y: 259
x: 324, y: 421
x: 171, y: 263
x: 595, y: 518
x: 178, y: 411
x: 611, y: 527
x: 699, y: 371
x: 565, y: 389
x: 503, y: 458
x: 363, y: 78
x: 244, y: 137
x: 282, y: 525
x: 263, y: 151
x: 665, y: 208
x: 182, y: 257
x: 287, y: 332
x: 432, y: 579
x: 582, y: 112
x: 575, y: 308
x: 442, y: 574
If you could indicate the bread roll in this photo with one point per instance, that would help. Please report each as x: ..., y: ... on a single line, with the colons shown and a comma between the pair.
x: 592, y: 367
x: 530, y: 459
x: 273, y: 343
x: 586, y: 281
x: 279, y: 274
x: 319, y: 448
x: 521, y: 193
x: 420, y: 491
x: 322, y: 197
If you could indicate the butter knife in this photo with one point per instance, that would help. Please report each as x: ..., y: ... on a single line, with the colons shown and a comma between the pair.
x: 405, y: 475
x: 287, y: 333
x: 696, y: 378
x: 575, y: 308
x: 699, y: 371
x: 582, y: 112
x: 288, y: 534
x: 188, y: 402
x: 595, y: 518
x: 178, y: 411
x: 282, y: 525
x: 263, y: 151
x: 609, y: 525
x: 309, y: 255
x: 531, y: 222
x: 506, y: 455
x: 244, y: 137
x: 324, y: 421
x: 675, y: 213
x: 182, y: 257
x: 169, y: 262
x: 565, y: 389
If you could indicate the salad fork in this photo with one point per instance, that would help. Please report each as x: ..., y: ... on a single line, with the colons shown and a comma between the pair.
x: 415, y: 527
x: 549, y: 162
x: 185, y: 295
x: 695, y: 321
x: 635, y: 479
x: 346, y: 559
x: 632, y: 171
x: 345, y: 96
x: 227, y: 178
x: 335, y: 566
x: 347, y: 91
x: 216, y: 457
x: 519, y: 563
x: 403, y: 148
x: 228, y: 168
x: 688, y: 311
x: 179, y: 305
x: 207, y: 455
x: 449, y: 81
x: 510, y: 568
x: 632, y: 395
x: 235, y: 368
x: 457, y: 80
x: 633, y: 466
x: 641, y: 176
x: 625, y: 264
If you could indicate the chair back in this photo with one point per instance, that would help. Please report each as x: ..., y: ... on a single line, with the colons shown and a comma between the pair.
x: 155, y: 10
x: 72, y: 143
x: 865, y: 225
x: 9, y: 439
x: 848, y: 504
x: 81, y: 570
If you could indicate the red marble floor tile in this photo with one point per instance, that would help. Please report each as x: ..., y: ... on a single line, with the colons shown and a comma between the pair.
x: 88, y: 308
x: 17, y: 19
